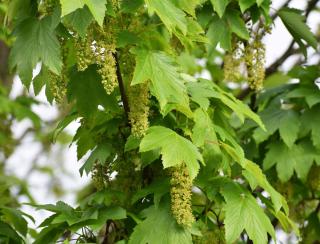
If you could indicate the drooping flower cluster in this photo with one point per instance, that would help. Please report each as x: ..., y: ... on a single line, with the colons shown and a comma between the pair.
x: 107, y: 65
x: 247, y: 60
x: 139, y: 109
x: 57, y: 87
x: 58, y: 83
x: 255, y: 62
x: 232, y: 62
x: 84, y: 53
x: 98, y: 176
x: 100, y: 50
x: 181, y: 186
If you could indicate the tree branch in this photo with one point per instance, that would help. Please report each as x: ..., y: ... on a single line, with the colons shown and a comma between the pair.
x: 4, y: 55
x: 290, y: 50
x: 124, y: 98
x: 276, y: 64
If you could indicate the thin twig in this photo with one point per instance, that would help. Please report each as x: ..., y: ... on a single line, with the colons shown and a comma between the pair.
x: 124, y: 98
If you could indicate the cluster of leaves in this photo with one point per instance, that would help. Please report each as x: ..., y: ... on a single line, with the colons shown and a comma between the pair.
x: 193, y: 122
x: 288, y: 150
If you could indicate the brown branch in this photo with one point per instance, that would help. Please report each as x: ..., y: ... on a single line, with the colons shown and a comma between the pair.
x: 277, y: 63
x: 311, y: 5
x: 290, y: 50
x: 124, y: 98
x: 4, y: 71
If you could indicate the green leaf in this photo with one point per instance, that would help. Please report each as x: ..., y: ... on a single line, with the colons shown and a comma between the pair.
x: 43, y: 79
x: 204, y: 134
x: 283, y: 157
x: 188, y: 6
x: 129, y: 6
x: 166, y: 83
x: 158, y: 187
x: 15, y: 217
x: 255, y: 177
x: 237, y: 106
x: 35, y: 41
x: 79, y: 20
x: 175, y: 149
x: 298, y: 158
x: 172, y: 17
x: 69, y: 6
x: 220, y: 6
x: 51, y: 233
x: 96, y: 7
x: 219, y: 32
x: 132, y: 143
x: 203, y: 130
x: 244, y: 213
x: 203, y: 90
x: 200, y: 92
x: 310, y: 93
x: 306, y: 156
x: 237, y: 24
x: 286, y: 121
x: 294, y: 22
x: 259, y: 2
x: 195, y: 34
x: 99, y: 155
x: 109, y: 213
x: 289, y: 128
x: 86, y: 86
x: 310, y: 122
x: 245, y: 4
x: 254, y: 172
x: 63, y: 124
x: 276, y: 79
x: 7, y: 231
x: 125, y: 38
x: 159, y: 227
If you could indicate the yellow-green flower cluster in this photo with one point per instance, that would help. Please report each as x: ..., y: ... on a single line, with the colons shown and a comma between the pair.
x: 255, y: 62
x: 107, y: 65
x: 181, y: 186
x: 139, y: 109
x: 232, y: 61
x: 84, y: 53
x: 98, y: 177
x: 57, y: 87
x: 231, y: 68
x: 100, y: 50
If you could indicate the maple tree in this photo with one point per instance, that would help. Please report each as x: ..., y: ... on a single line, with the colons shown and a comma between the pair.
x: 174, y: 158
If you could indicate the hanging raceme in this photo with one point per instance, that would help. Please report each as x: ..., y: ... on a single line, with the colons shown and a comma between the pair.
x: 98, y: 176
x: 99, y: 47
x: 84, y: 52
x: 181, y: 186
x: 232, y: 62
x: 139, y: 109
x: 254, y: 56
x: 105, y: 49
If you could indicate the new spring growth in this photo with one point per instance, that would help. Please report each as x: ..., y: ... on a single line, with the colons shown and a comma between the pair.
x: 181, y: 186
